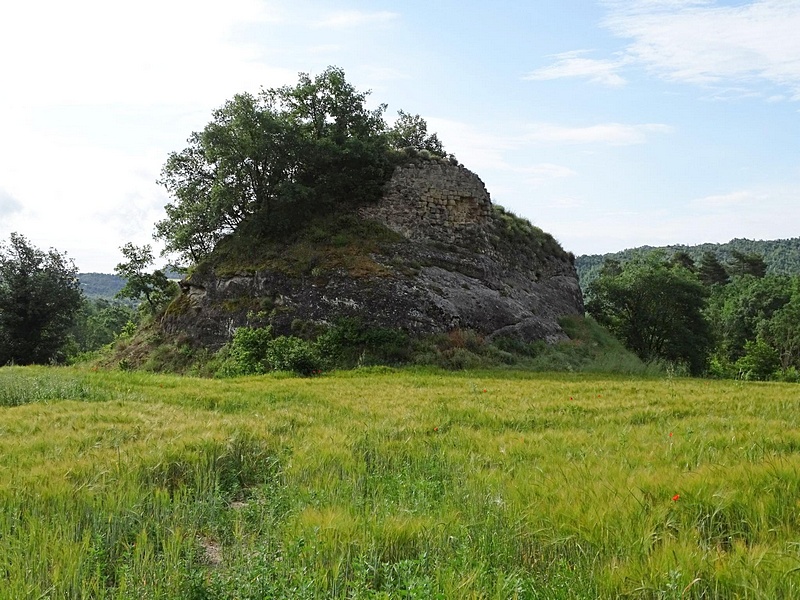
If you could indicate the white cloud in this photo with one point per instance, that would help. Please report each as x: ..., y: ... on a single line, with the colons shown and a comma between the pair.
x: 98, y: 52
x: 545, y: 171
x: 710, y: 43
x: 89, y: 203
x: 615, y: 134
x: 355, y: 18
x: 324, y: 49
x: 482, y: 149
x: 732, y: 200
x: 476, y: 148
x: 697, y: 41
x: 383, y: 73
x: 8, y: 204
x: 567, y: 203
x: 573, y: 64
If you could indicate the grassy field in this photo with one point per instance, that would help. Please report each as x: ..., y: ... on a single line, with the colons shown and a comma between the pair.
x: 396, y: 484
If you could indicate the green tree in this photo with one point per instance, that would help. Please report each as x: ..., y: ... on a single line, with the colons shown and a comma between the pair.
x: 712, y: 271
x: 655, y: 309
x: 343, y: 152
x: 611, y: 268
x: 153, y: 287
x: 739, y: 311
x: 39, y: 298
x: 760, y: 360
x: 98, y: 322
x: 232, y: 169
x: 269, y: 160
x: 411, y: 131
x: 782, y: 331
x: 747, y: 264
x: 681, y: 258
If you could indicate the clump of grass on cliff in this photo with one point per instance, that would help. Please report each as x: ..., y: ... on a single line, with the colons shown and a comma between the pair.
x: 309, y: 247
x: 523, y: 242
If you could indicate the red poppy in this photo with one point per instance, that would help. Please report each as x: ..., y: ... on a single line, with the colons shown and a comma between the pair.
x: 676, y: 497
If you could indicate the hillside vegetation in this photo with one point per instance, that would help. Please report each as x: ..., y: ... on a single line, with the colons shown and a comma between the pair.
x: 396, y: 484
x: 781, y: 256
x: 724, y: 319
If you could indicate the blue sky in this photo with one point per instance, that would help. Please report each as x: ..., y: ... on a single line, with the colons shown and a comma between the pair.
x: 610, y: 123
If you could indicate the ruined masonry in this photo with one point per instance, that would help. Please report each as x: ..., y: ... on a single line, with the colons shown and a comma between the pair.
x: 433, y: 201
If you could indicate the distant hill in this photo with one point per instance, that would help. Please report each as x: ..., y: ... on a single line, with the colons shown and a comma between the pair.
x: 104, y: 285
x: 782, y: 256
x: 100, y: 285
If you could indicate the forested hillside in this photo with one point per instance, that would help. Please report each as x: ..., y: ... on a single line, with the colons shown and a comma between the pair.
x: 100, y: 285
x: 724, y: 319
x: 782, y: 257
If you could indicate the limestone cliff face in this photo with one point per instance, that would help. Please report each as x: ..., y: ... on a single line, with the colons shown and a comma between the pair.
x: 457, y: 263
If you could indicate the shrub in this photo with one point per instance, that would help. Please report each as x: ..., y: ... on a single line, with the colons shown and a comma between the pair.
x: 514, y: 345
x: 247, y: 352
x: 760, y: 360
x: 289, y: 353
x: 719, y: 367
x: 350, y: 343
x: 790, y: 375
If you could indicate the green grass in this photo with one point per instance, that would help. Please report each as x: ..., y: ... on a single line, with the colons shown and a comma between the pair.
x: 396, y: 484
x: 328, y: 242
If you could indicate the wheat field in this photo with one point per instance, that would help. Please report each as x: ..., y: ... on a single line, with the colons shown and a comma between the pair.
x: 381, y: 483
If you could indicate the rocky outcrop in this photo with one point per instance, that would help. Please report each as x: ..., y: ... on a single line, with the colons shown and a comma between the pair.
x: 434, y: 201
x: 456, y: 264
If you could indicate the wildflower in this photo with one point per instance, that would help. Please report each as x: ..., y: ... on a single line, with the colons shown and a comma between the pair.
x: 676, y: 497
x: 484, y: 391
x: 436, y: 429
x: 670, y: 434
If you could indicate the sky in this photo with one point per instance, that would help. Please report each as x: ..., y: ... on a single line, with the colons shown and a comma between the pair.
x: 610, y: 124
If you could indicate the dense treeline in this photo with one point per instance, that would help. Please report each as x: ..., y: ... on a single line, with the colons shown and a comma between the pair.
x: 782, y: 257
x: 50, y: 314
x: 726, y: 319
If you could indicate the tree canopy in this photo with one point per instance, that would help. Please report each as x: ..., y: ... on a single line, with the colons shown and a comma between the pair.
x: 747, y: 264
x: 272, y: 158
x: 154, y: 287
x: 744, y: 310
x: 781, y: 257
x: 39, y: 298
x: 712, y: 271
x: 655, y: 307
x: 737, y: 321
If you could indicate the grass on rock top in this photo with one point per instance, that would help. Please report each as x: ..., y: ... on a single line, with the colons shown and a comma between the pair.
x: 381, y: 483
x: 321, y: 244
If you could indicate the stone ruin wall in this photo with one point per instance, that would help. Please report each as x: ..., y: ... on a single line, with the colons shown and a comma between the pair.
x: 433, y: 201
